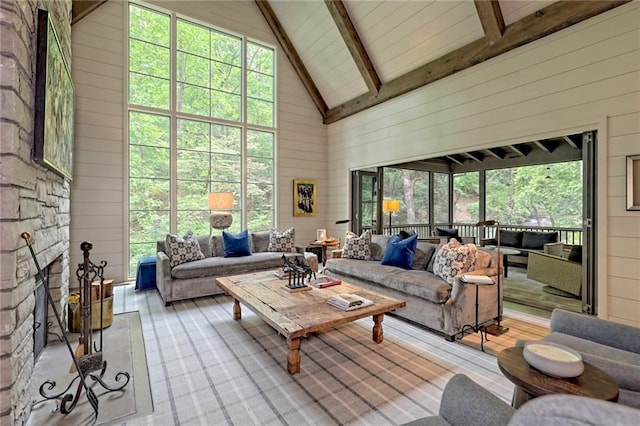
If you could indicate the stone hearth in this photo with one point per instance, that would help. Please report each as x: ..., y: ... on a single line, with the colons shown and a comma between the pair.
x: 32, y: 199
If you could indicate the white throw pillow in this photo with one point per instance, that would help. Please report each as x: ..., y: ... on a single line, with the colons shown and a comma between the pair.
x: 182, y: 250
x: 357, y: 247
x: 453, y: 259
x: 282, y: 241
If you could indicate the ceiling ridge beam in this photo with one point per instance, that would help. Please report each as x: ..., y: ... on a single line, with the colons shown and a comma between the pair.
x: 278, y: 31
x: 80, y: 9
x: 491, y: 19
x: 548, y: 20
x: 349, y: 34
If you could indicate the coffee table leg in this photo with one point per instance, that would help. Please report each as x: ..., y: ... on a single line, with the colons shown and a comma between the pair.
x: 377, y: 328
x: 293, y: 358
x: 237, y: 314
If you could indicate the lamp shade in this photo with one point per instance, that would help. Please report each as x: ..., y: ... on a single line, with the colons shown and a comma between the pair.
x: 221, y: 200
x: 390, y: 206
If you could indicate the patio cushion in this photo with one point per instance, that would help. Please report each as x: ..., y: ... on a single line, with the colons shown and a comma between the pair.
x: 511, y: 238
x: 446, y: 232
x: 536, y: 240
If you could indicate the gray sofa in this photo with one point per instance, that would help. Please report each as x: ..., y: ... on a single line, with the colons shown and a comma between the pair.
x: 610, y: 346
x: 431, y: 301
x: 197, y: 278
x: 465, y: 403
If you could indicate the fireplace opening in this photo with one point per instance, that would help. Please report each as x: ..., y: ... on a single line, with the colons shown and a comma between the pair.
x: 40, y: 316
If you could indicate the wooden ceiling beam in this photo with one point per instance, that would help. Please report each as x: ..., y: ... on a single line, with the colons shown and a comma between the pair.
x: 81, y: 8
x: 491, y: 19
x: 475, y: 155
x: 496, y: 152
x: 349, y: 34
x: 454, y: 159
x: 570, y: 141
x: 548, y: 20
x: 294, y: 58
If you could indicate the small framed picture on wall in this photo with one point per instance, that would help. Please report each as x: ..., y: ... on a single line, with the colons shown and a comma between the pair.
x: 305, y: 197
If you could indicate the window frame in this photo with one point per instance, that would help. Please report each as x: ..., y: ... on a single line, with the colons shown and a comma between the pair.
x: 175, y: 115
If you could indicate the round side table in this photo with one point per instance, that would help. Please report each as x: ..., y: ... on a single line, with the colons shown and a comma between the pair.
x: 531, y: 382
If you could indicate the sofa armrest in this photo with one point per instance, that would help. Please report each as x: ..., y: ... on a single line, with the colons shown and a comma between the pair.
x: 609, y: 333
x: 464, y: 402
x: 554, y: 248
x: 300, y: 249
x: 163, y: 275
x: 459, y: 286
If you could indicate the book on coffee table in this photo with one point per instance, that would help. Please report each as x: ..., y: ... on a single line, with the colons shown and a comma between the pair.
x: 349, y: 302
x: 322, y: 282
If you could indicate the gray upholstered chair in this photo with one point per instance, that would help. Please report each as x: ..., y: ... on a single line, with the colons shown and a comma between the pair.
x: 610, y: 346
x: 465, y: 403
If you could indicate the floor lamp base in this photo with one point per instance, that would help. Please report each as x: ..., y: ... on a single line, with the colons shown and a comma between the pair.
x: 496, y: 330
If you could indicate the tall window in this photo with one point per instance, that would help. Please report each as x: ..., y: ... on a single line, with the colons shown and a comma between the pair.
x: 466, y: 192
x: 201, y: 119
x: 411, y: 188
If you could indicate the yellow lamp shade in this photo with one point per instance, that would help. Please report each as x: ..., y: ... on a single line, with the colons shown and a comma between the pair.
x: 221, y: 200
x: 390, y: 206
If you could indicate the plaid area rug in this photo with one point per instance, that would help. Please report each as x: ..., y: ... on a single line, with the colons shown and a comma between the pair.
x: 206, y: 368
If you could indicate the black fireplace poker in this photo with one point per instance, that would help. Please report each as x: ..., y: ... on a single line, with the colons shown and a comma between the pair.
x: 91, y: 396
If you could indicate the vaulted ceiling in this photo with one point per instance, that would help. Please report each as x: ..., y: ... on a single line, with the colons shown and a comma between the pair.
x: 354, y: 54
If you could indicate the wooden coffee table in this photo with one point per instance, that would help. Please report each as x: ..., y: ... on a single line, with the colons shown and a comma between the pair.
x: 531, y: 382
x: 295, y: 315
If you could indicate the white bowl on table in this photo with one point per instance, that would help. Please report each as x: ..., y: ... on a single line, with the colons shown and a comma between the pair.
x: 553, y: 359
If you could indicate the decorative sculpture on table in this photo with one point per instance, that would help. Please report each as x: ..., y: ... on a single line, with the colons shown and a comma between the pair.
x: 296, y: 271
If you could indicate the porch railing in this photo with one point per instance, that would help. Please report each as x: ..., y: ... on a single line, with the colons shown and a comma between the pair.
x: 566, y: 235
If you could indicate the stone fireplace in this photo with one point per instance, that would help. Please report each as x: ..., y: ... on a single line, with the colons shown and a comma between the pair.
x: 32, y: 199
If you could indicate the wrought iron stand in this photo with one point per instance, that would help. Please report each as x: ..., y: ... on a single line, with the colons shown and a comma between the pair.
x: 87, y: 360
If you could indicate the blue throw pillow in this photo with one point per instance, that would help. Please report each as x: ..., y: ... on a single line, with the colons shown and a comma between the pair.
x: 236, y: 245
x: 400, y: 252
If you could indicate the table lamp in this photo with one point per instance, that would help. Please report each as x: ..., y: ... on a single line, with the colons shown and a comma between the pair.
x: 496, y: 329
x: 219, y: 202
x: 390, y: 206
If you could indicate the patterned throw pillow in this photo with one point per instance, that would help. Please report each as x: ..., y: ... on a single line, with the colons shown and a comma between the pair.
x: 182, y: 250
x: 357, y: 247
x: 282, y: 241
x: 454, y: 258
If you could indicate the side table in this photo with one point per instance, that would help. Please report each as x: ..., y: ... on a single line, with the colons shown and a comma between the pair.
x: 324, y: 245
x: 531, y: 383
x: 477, y: 280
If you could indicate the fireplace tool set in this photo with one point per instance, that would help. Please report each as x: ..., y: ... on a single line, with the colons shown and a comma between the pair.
x: 88, y: 362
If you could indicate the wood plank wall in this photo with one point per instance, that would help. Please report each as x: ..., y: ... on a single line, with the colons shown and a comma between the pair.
x: 98, y: 191
x: 586, y: 77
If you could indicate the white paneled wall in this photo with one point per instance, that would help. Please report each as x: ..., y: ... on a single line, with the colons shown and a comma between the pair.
x: 586, y: 77
x: 98, y: 196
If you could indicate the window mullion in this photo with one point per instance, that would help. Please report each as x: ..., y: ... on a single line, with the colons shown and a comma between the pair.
x: 173, y: 204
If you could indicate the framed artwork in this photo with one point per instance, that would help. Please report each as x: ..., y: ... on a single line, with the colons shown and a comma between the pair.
x: 633, y: 182
x: 53, y: 129
x: 305, y: 197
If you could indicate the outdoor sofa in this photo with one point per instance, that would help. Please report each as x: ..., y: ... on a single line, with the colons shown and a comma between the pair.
x: 197, y: 278
x: 523, y: 241
x: 431, y: 301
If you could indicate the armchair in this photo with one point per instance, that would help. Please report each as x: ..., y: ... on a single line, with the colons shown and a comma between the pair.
x: 556, y: 271
x: 464, y: 402
x: 610, y: 346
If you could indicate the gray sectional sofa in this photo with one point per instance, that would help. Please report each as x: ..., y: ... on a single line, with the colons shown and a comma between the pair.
x: 197, y: 278
x: 431, y: 301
